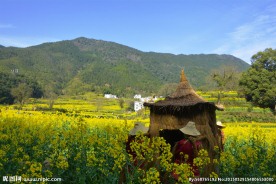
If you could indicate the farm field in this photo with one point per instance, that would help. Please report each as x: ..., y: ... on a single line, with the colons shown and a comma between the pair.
x: 91, y: 105
x: 82, y: 140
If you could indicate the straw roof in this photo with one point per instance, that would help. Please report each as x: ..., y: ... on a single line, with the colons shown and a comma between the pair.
x: 183, y: 97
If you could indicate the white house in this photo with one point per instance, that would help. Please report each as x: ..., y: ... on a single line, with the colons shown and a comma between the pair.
x: 137, y: 96
x: 138, y: 106
x: 110, y: 96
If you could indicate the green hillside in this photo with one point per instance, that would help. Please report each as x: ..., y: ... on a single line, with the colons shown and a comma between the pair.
x: 82, y: 64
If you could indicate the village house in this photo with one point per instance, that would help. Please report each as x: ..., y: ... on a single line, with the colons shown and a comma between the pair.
x: 137, y: 96
x: 110, y: 96
x: 139, y: 104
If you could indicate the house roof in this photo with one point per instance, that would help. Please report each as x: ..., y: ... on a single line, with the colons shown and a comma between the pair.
x: 184, y: 96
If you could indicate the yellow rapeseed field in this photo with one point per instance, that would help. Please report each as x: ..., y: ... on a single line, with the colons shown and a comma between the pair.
x: 92, y: 150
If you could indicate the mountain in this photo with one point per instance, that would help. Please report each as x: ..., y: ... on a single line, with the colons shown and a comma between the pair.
x: 1, y: 46
x: 82, y: 64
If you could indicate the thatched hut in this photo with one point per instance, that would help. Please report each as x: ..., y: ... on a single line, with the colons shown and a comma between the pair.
x: 176, y: 110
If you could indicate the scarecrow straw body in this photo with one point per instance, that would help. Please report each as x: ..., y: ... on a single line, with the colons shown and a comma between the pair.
x: 184, y: 105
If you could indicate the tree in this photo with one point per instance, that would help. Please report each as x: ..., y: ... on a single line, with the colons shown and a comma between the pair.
x: 6, y: 83
x: 9, y: 81
x: 121, y: 102
x: 259, y: 81
x: 130, y: 106
x: 226, y: 78
x: 51, y: 94
x: 167, y: 89
x: 22, y: 93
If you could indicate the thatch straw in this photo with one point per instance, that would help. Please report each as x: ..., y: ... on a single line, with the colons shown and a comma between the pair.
x: 177, y: 110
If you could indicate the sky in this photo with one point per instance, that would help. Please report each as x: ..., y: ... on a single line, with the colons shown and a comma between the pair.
x: 237, y: 27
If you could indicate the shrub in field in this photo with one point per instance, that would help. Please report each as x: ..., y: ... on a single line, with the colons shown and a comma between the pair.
x: 249, y: 152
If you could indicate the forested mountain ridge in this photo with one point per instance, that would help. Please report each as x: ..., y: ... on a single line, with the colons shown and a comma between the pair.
x: 82, y: 64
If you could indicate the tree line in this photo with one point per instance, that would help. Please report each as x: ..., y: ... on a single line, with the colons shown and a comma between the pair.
x: 257, y: 84
x: 17, y: 87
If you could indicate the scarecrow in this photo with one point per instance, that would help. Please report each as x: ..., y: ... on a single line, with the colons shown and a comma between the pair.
x: 221, y: 135
x: 175, y: 111
x: 187, y: 149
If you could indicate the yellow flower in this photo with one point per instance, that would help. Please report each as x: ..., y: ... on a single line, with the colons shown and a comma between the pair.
x: 213, y: 175
x: 152, y: 176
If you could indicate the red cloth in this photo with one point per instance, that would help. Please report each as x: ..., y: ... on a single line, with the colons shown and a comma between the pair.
x: 186, y: 147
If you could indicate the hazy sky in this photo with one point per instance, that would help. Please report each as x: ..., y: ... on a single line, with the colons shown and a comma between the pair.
x: 237, y: 27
